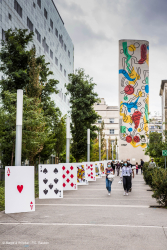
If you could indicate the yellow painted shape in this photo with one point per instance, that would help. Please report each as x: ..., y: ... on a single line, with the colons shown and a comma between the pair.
x: 147, y: 59
x: 133, y: 74
x: 139, y: 130
x: 126, y: 118
x: 132, y: 47
x: 133, y: 143
x: 145, y: 125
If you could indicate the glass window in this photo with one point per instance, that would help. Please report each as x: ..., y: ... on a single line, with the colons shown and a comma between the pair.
x: 51, y: 23
x: 38, y: 35
x: 39, y: 3
x: 34, y: 5
x: 64, y: 72
x: 56, y: 32
x: 111, y: 131
x: 51, y: 53
x: 3, y: 35
x: 99, y: 121
x: 60, y: 67
x: 9, y: 16
x: 18, y: 8
x: 45, y: 13
x: 29, y: 24
x: 68, y: 53
x: 56, y: 60
x: 111, y: 120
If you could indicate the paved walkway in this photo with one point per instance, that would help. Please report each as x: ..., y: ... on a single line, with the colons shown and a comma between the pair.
x: 89, y: 219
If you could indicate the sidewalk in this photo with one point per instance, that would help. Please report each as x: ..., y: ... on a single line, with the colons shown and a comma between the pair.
x: 90, y: 219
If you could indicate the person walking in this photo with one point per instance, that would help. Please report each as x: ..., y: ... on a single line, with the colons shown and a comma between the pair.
x: 108, y: 171
x: 137, y: 167
x: 118, y: 167
x: 126, y: 174
x: 152, y: 164
x: 142, y: 164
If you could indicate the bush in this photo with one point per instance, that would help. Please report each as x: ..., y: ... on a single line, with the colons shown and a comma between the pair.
x: 159, y: 185
x: 148, y: 174
x: 2, y: 195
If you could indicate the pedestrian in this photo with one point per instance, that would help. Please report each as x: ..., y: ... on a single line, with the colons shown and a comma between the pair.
x: 108, y: 171
x: 137, y: 167
x: 126, y: 174
x: 118, y: 167
x: 152, y: 164
x: 142, y: 164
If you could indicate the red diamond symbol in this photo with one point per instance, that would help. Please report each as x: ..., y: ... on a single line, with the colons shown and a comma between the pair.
x: 72, y: 184
x: 68, y: 180
x: 72, y: 176
x: 64, y: 184
x: 64, y: 176
x: 92, y: 177
x: 63, y: 168
x: 71, y: 167
x: 67, y: 171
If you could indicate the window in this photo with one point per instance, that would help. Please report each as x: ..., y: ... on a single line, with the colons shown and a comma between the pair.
x: 56, y: 32
x: 18, y: 8
x: 65, y: 47
x: 51, y: 53
x: 3, y: 35
x: 64, y: 72
x: 45, y: 13
x: 111, y: 131
x: 56, y: 60
x: 45, y: 46
x: 51, y: 23
x: 69, y: 54
x: 60, y: 67
x: 64, y: 98
x: 61, y: 40
x: 111, y: 120
x: 152, y: 127
x: 99, y: 120
x: 29, y: 24
x: 39, y: 3
x: 9, y: 16
x: 38, y: 35
x: 34, y: 5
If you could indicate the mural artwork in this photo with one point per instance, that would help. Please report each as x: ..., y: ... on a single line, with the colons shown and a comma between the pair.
x: 134, y: 92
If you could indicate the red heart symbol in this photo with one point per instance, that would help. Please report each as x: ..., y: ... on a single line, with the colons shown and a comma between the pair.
x: 20, y: 188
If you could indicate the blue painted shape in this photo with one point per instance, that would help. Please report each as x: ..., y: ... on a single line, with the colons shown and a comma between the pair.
x: 147, y: 89
x: 122, y: 71
x: 130, y: 129
x: 131, y: 104
x: 148, y: 47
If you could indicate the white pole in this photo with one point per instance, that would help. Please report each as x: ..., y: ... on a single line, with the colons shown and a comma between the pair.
x: 19, y: 118
x: 112, y: 150
x: 88, y: 145
x: 99, y: 147
x: 67, y: 139
x: 116, y: 152
x: 107, y: 148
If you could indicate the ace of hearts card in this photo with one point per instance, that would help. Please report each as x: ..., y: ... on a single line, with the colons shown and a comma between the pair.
x: 69, y: 176
x: 50, y: 181
x: 19, y: 189
x: 90, y: 171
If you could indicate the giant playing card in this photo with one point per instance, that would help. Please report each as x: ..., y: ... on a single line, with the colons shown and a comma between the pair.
x: 81, y: 174
x: 50, y: 181
x: 90, y: 171
x: 19, y: 189
x: 97, y: 170
x: 102, y: 166
x: 69, y: 175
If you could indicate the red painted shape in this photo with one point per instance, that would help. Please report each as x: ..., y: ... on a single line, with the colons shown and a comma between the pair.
x: 72, y: 184
x: 136, y: 118
x: 143, y: 54
x: 71, y: 167
x: 8, y: 172
x: 63, y: 176
x: 31, y: 205
x: 136, y: 138
x: 20, y: 188
x: 129, y: 90
x: 63, y: 168
x: 129, y: 139
x: 64, y: 184
x: 67, y: 172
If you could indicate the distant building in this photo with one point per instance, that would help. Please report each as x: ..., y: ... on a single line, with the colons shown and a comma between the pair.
x: 110, y: 116
x: 50, y: 38
x: 155, y: 124
x: 163, y: 94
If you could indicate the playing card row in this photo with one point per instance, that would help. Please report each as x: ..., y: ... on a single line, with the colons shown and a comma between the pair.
x: 53, y: 180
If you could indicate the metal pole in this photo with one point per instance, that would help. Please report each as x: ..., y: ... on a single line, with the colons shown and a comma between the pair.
x: 112, y: 150
x: 88, y: 145
x: 165, y: 162
x: 19, y: 118
x: 99, y: 147
x: 116, y: 152
x: 107, y: 148
x: 67, y: 139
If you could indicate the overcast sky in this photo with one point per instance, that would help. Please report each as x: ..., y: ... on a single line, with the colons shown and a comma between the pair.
x: 95, y: 26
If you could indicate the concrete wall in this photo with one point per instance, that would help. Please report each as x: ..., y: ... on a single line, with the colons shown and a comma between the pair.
x: 133, y: 99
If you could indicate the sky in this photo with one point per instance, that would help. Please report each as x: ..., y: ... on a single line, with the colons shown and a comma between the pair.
x: 96, y: 26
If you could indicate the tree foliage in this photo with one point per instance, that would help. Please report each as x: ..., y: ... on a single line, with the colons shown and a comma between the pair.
x: 83, y: 97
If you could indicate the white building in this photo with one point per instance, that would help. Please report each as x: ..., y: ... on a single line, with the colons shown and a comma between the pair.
x: 110, y: 116
x: 155, y: 124
x: 163, y: 94
x: 51, y: 38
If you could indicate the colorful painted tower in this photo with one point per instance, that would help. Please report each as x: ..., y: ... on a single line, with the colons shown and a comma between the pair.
x: 133, y: 99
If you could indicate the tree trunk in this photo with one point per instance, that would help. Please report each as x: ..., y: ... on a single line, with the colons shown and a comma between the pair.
x: 12, y: 155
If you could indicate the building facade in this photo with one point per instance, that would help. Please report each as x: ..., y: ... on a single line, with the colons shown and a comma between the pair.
x: 155, y: 124
x: 133, y: 99
x: 50, y: 38
x: 110, y: 116
x: 163, y: 94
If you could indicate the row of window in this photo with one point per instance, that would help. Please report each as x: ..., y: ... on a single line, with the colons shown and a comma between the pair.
x: 18, y: 8
x: 111, y: 120
x: 156, y: 127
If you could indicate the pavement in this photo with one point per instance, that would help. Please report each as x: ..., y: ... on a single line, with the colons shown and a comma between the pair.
x: 89, y: 219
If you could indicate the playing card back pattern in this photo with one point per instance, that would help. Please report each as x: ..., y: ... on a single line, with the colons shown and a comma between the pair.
x: 69, y: 176
x: 81, y: 174
x: 50, y: 181
x: 19, y: 189
x: 90, y: 171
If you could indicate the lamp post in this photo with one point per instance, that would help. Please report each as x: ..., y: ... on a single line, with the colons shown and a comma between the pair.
x: 19, y: 118
x: 67, y: 139
x: 88, y: 145
x: 112, y: 150
x: 99, y: 147
x: 107, y: 148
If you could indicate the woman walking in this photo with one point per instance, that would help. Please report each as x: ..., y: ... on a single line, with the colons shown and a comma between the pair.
x: 137, y: 167
x: 126, y: 174
x: 108, y: 170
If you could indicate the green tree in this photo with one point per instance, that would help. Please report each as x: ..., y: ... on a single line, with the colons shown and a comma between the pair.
x: 83, y: 97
